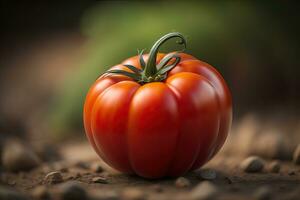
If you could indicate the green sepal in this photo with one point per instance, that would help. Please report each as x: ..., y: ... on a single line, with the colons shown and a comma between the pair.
x: 167, y: 68
x: 142, y: 61
x: 125, y: 73
x: 134, y: 69
x: 165, y: 60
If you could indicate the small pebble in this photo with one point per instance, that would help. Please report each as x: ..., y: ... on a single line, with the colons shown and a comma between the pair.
x: 229, y: 180
x: 296, y: 155
x: 291, y: 173
x: 132, y: 194
x: 207, y: 174
x: 53, y: 178
x: 182, y: 182
x: 204, y: 190
x: 41, y: 193
x: 274, y: 167
x: 263, y: 193
x: 82, y: 165
x: 73, y: 191
x: 100, y: 179
x: 252, y: 164
x: 97, y: 168
x: 18, y: 157
x: 10, y: 194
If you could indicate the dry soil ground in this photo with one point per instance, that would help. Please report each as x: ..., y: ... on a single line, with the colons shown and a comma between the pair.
x: 81, y: 167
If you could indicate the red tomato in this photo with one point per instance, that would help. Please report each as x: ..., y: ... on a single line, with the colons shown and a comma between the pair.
x: 163, y: 115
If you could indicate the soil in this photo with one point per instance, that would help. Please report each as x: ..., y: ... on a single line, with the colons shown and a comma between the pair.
x: 231, y: 182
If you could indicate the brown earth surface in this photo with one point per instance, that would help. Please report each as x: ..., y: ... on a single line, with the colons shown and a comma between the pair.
x: 78, y: 161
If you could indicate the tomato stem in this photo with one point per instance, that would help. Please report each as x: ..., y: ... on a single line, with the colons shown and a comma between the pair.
x: 150, y: 68
x: 151, y: 71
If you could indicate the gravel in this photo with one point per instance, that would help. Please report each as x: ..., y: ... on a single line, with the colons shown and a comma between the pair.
x: 274, y: 166
x: 182, y: 182
x: 53, y: 178
x: 207, y: 174
x: 252, y: 164
x: 97, y: 168
x: 100, y: 179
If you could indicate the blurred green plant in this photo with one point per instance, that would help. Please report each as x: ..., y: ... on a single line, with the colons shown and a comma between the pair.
x: 219, y: 32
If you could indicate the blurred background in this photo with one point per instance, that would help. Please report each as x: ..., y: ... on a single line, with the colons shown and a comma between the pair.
x: 51, y: 53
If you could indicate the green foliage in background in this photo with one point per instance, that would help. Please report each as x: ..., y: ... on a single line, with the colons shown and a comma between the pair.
x: 216, y: 33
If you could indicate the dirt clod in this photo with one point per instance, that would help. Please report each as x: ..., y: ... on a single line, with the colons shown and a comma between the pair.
x: 18, y: 157
x: 73, y: 191
x: 296, y: 155
x: 291, y: 173
x: 132, y: 194
x: 207, y: 174
x: 53, y: 178
x: 252, y: 164
x: 204, y: 190
x: 263, y: 193
x: 182, y: 182
x: 100, y: 179
x: 228, y: 180
x: 274, y: 167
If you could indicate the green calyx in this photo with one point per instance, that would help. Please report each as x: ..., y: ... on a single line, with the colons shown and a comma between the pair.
x: 152, y: 72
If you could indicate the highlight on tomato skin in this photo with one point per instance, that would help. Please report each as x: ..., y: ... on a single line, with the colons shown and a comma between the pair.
x: 158, y: 115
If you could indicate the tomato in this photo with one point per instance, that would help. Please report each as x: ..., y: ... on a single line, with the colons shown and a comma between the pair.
x: 157, y: 114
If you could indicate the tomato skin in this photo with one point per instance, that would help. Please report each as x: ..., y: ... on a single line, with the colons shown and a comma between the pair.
x: 160, y: 128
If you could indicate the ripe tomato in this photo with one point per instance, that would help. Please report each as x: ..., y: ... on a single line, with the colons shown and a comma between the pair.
x: 159, y: 114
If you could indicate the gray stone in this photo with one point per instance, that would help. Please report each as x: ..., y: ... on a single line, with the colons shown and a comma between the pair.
x: 53, y: 178
x: 208, y: 174
x: 252, y: 164
x: 18, y: 157
x: 274, y: 166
